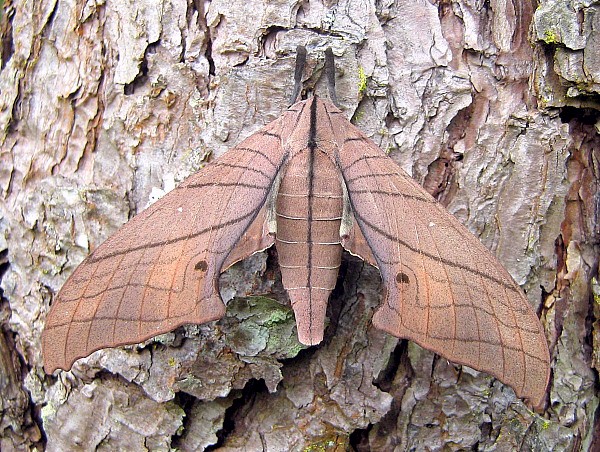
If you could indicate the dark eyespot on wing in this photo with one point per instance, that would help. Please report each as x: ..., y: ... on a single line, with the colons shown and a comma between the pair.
x: 402, y: 278
x: 201, y: 266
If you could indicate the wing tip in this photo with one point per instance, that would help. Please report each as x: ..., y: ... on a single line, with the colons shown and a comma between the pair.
x: 61, y: 357
x: 534, y: 394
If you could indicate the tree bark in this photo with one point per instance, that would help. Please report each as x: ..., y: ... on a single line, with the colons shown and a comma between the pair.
x: 105, y: 105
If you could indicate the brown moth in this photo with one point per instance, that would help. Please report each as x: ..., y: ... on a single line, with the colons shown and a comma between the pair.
x: 311, y: 183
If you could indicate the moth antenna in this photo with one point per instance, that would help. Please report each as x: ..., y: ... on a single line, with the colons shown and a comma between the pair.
x: 330, y: 72
x: 300, y: 63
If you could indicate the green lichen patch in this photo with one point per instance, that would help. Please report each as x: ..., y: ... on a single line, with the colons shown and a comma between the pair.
x: 550, y: 37
x: 260, y: 325
x: 362, y: 81
x: 333, y: 443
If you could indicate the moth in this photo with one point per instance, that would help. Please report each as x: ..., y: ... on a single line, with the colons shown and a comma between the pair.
x: 313, y: 184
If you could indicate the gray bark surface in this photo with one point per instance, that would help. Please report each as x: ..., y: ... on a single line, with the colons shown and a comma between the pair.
x: 105, y: 105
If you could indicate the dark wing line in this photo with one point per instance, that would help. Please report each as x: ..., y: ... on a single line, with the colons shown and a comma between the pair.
x: 484, y: 341
x: 258, y: 152
x: 298, y: 116
x: 431, y: 256
x: 356, y: 138
x: 170, y: 241
x: 254, y: 170
x: 366, y: 176
x: 271, y: 134
x: 224, y: 184
x: 360, y: 159
x: 395, y: 194
x: 328, y: 117
x: 147, y: 336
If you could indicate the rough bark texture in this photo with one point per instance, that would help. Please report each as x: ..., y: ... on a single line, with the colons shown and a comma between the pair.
x: 106, y: 104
